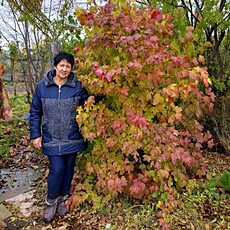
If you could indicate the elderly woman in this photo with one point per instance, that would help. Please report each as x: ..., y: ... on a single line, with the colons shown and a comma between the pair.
x: 53, y: 128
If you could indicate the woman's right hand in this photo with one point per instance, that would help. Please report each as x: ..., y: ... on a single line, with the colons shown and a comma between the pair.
x: 37, y: 143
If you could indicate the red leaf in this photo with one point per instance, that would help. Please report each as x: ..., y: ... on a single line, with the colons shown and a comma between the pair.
x: 195, y: 61
x: 137, y: 189
x: 156, y: 15
x: 110, y: 142
x: 89, y: 16
x: 178, y: 61
x: 125, y: 91
x: 89, y: 168
x: 108, y: 76
x: 100, y: 73
x: 77, y: 48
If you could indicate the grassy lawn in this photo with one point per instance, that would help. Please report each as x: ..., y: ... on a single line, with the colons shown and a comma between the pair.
x: 12, y: 131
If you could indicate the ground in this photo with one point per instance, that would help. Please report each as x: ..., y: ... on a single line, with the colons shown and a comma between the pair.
x: 205, y: 210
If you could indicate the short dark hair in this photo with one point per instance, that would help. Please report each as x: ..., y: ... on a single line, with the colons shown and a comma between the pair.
x: 64, y: 56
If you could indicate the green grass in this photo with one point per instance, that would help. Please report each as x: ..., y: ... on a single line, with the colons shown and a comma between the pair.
x: 13, y: 130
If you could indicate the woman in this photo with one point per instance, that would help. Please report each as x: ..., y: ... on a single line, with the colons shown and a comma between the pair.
x: 53, y: 128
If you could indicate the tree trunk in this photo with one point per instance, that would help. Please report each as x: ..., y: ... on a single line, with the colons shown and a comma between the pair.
x: 55, y: 47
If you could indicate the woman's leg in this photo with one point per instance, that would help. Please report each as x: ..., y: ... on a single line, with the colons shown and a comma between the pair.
x: 56, y: 174
x: 69, y: 161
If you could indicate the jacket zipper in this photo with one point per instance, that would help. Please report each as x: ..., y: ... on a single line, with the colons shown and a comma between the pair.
x: 59, y: 131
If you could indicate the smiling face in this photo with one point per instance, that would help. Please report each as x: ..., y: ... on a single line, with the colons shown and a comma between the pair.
x: 63, y: 70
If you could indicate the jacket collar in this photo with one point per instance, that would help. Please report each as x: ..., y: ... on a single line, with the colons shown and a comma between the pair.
x: 71, y: 80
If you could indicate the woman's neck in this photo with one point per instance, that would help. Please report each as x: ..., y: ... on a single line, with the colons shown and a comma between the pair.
x: 59, y: 81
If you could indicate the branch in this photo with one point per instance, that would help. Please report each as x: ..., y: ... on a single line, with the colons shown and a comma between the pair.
x: 17, y: 23
x: 222, y: 5
x: 8, y: 41
x: 37, y: 15
x: 11, y: 28
x: 200, y: 7
x: 190, y: 4
x: 185, y: 7
x: 228, y: 15
x: 148, y: 3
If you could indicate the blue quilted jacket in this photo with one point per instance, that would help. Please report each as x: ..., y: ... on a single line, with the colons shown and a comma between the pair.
x: 53, y: 115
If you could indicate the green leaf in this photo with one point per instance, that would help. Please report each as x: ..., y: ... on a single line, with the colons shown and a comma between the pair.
x: 71, y: 19
x: 225, y: 180
x: 164, y: 197
x: 212, y: 183
x: 156, y: 194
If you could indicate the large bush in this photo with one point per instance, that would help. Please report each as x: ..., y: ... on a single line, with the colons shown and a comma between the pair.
x: 145, y: 134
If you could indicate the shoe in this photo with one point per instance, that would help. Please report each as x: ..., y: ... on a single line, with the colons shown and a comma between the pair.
x: 49, y: 212
x: 62, y: 209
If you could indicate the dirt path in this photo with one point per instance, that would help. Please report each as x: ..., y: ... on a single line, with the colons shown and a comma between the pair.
x: 21, y: 174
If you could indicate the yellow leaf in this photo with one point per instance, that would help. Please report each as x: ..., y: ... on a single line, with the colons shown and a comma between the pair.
x: 163, y: 22
x: 157, y: 99
x: 117, y: 59
x: 78, y: 11
x: 208, y: 44
x: 209, y: 81
x: 174, y: 45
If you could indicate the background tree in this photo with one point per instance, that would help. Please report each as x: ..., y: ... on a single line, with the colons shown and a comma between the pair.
x: 13, y: 52
x: 211, y: 22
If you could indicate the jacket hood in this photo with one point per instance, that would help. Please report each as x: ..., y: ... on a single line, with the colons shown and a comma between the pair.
x: 71, y: 80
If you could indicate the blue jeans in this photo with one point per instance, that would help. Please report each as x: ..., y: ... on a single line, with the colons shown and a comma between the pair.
x: 61, y: 170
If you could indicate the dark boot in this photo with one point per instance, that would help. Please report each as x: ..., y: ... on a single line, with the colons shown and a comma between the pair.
x: 62, y: 209
x: 50, y: 211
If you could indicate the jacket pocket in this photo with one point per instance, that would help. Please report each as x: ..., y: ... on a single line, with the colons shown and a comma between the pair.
x: 46, y: 136
x: 74, y: 132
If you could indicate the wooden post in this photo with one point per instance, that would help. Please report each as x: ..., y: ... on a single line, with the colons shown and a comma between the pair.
x: 55, y: 47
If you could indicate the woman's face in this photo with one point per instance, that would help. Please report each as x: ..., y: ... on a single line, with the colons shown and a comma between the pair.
x: 63, y: 69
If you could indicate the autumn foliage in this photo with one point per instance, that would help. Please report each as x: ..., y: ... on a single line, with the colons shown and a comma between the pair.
x: 145, y: 134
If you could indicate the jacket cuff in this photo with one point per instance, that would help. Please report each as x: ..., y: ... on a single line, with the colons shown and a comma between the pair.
x: 34, y: 136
